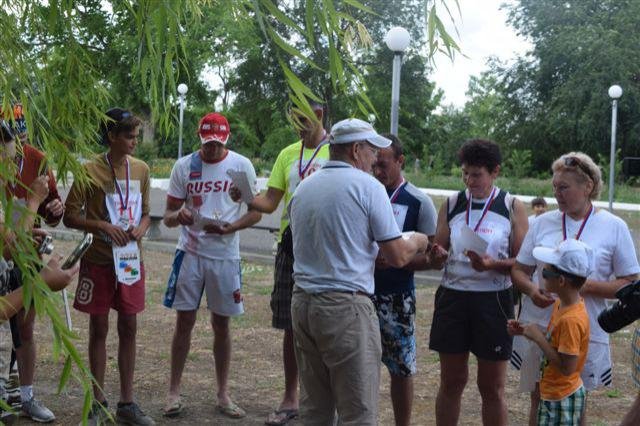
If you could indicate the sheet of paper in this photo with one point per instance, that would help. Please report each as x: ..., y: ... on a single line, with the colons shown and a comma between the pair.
x: 407, y: 235
x: 472, y: 242
x: 241, y: 181
x: 199, y: 221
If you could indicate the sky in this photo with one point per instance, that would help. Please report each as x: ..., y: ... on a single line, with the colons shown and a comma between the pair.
x: 483, y: 32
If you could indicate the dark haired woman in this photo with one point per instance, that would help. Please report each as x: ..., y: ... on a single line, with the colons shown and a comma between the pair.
x: 577, y: 181
x: 116, y: 210
x: 482, y: 227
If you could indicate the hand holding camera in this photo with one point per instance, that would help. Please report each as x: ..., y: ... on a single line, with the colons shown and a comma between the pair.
x: 625, y: 311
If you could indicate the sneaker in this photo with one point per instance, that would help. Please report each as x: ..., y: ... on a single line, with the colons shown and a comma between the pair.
x: 131, y: 414
x: 37, y: 411
x: 97, y: 414
x: 8, y: 417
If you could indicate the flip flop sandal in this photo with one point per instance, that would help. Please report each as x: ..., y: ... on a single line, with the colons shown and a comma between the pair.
x: 281, y: 417
x: 232, y: 410
x: 174, y: 409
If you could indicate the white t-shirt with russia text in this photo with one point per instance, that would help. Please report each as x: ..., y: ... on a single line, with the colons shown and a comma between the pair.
x: 204, y: 187
x: 614, y: 253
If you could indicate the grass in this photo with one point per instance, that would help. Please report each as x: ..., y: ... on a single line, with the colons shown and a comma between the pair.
x: 161, y: 168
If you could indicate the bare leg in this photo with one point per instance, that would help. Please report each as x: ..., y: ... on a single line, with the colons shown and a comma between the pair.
x: 454, y: 373
x: 402, y: 399
x: 26, y: 353
x: 180, y: 345
x: 535, y: 403
x: 290, y: 400
x: 127, y: 327
x: 221, y: 355
x: 632, y: 417
x: 492, y: 376
x: 98, y: 330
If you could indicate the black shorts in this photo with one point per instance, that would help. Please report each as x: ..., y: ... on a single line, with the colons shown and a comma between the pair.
x: 282, y: 290
x: 470, y: 321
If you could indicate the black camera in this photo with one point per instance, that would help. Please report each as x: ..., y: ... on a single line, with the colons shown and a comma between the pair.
x: 625, y: 311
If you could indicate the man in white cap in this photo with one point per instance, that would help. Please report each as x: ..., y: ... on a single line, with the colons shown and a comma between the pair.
x: 208, y: 253
x: 340, y: 216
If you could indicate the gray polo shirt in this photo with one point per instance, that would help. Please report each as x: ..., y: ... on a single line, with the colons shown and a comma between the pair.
x: 337, y: 216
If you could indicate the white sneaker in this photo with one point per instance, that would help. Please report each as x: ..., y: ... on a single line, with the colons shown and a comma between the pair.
x: 37, y: 411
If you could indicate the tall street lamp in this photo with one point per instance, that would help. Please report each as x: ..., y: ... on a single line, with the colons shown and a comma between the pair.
x: 182, y: 92
x: 615, y: 92
x: 397, y: 39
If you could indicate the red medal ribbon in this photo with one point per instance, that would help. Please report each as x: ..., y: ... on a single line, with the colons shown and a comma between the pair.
x: 124, y: 201
x: 584, y: 222
x: 395, y: 194
x: 485, y: 209
x: 303, y: 170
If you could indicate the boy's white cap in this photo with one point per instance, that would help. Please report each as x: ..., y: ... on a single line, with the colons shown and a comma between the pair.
x: 572, y: 256
x: 354, y: 130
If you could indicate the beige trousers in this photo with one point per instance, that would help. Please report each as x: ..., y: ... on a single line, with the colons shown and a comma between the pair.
x: 337, y: 345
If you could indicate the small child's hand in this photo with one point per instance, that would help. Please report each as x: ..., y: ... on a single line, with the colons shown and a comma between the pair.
x: 514, y: 328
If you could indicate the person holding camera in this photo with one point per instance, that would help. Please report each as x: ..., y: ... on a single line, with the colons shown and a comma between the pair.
x: 566, y: 339
x: 114, y: 206
x: 33, y: 182
x: 577, y: 181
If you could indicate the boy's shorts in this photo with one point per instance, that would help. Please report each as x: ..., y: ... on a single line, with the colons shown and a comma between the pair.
x: 472, y: 321
x: 192, y: 275
x: 397, y: 314
x: 635, y: 357
x: 566, y: 412
x: 282, y: 291
x: 98, y: 291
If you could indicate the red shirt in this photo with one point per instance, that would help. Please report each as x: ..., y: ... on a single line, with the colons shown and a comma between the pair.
x: 32, y: 160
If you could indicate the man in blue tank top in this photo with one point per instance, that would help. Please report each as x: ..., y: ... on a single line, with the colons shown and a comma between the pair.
x: 395, y: 297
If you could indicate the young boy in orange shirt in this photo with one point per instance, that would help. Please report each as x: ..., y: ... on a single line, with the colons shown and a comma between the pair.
x: 567, y: 338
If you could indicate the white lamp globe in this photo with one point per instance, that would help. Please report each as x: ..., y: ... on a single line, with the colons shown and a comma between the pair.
x: 397, y: 39
x: 182, y: 89
x: 615, y: 91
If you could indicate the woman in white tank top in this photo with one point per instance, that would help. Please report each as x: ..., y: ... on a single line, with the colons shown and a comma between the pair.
x: 482, y: 227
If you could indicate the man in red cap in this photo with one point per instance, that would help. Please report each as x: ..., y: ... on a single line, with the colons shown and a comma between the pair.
x: 208, y: 253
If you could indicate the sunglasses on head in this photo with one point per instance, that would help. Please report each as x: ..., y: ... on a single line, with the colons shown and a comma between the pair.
x: 572, y: 161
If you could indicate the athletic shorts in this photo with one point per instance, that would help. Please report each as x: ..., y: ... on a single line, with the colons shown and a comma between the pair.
x: 472, y: 321
x: 566, y: 412
x: 192, y: 275
x: 635, y: 357
x: 282, y: 291
x: 397, y: 316
x: 527, y: 357
x: 98, y: 291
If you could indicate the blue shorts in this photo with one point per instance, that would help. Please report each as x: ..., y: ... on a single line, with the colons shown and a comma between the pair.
x: 397, y: 315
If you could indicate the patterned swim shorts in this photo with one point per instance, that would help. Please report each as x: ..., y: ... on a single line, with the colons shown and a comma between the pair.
x: 397, y: 314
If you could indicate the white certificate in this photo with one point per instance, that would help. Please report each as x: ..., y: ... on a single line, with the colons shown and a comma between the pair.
x: 472, y: 241
x: 241, y: 181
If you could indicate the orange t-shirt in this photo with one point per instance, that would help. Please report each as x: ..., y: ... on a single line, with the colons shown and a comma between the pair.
x: 568, y: 333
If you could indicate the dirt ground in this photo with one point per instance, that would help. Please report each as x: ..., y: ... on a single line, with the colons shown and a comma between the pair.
x: 256, y: 372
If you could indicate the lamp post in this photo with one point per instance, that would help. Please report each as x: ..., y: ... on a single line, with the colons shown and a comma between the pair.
x: 615, y: 92
x: 182, y: 92
x: 397, y: 39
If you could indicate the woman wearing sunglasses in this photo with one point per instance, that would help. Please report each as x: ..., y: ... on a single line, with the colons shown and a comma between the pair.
x: 577, y: 181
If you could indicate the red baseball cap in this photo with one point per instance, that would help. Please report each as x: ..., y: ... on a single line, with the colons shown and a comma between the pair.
x: 214, y: 127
